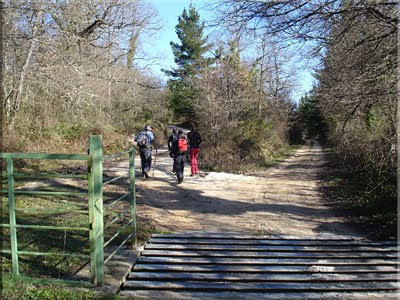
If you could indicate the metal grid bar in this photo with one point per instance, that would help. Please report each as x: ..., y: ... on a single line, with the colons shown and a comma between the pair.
x: 52, y: 210
x: 45, y: 227
x: 119, y: 247
x: 47, y: 175
x: 47, y: 253
x: 45, y: 193
x: 45, y: 156
x: 116, y: 200
x: 113, y: 179
x: 118, y: 232
x: 105, y: 158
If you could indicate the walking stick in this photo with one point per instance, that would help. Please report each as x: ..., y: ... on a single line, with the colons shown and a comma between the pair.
x: 155, y: 161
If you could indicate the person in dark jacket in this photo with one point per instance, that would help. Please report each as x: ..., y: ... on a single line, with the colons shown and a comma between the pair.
x: 144, y: 140
x: 194, y: 139
x: 179, y: 157
x: 172, y: 138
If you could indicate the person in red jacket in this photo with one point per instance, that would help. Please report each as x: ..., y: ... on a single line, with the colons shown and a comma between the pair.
x: 179, y: 149
x: 194, y: 140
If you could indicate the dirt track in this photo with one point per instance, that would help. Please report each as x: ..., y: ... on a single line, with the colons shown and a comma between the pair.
x: 285, y: 199
x: 281, y: 200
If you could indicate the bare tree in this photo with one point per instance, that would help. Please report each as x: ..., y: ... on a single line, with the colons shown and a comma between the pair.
x: 70, y: 58
x: 305, y: 20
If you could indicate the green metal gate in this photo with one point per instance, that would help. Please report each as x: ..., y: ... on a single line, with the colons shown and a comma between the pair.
x: 95, y: 222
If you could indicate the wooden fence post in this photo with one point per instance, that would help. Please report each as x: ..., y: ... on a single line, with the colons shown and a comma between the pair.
x: 11, y: 212
x: 95, y: 190
x: 132, y: 195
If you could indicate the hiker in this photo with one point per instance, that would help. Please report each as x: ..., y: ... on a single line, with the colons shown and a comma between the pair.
x: 194, y: 139
x: 179, y: 149
x: 144, y: 139
x: 172, y: 138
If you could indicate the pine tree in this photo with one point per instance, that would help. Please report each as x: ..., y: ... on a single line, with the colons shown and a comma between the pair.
x: 314, y: 123
x: 189, y: 56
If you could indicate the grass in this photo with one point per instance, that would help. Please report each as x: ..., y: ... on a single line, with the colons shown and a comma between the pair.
x: 63, y: 139
x: 374, y: 212
x: 21, y: 288
x: 54, y: 241
x: 59, y: 241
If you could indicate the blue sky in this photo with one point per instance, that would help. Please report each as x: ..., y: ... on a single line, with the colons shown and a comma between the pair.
x: 169, y: 10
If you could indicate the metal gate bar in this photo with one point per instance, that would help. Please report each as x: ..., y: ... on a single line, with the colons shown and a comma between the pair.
x: 95, y: 224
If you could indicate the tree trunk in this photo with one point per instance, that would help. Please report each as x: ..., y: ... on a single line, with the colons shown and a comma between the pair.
x: 24, y: 70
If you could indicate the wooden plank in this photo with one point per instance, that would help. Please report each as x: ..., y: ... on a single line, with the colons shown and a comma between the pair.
x: 263, y: 287
x: 248, y: 267
x: 262, y: 269
x: 283, y: 238
x: 268, y: 242
x: 240, y: 236
x: 365, y: 248
x: 273, y: 261
x: 250, y: 254
x: 185, y: 295
x: 264, y: 277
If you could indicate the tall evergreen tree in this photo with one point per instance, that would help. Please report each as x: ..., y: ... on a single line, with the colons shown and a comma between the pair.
x: 189, y: 56
x: 313, y: 121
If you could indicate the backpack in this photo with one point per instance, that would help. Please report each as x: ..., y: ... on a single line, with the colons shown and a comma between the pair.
x: 182, y: 145
x: 143, y: 139
x: 171, y: 141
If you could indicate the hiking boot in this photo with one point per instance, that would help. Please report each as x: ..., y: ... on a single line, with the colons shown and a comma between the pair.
x: 180, y: 179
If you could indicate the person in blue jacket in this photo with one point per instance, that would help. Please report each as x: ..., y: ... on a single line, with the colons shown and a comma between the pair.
x: 145, y: 139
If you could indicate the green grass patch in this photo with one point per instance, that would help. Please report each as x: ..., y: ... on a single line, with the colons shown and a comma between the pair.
x: 40, y: 211
x: 21, y: 288
x: 52, y: 241
x: 64, y: 241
